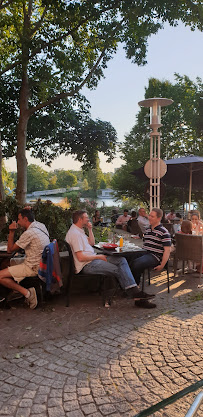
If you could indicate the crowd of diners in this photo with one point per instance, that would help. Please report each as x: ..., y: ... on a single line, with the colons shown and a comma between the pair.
x: 80, y: 236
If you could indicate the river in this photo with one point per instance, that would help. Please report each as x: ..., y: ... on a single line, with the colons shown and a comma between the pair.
x: 108, y: 202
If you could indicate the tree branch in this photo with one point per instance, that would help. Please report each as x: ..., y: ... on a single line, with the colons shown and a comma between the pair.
x: 38, y: 24
x: 70, y: 93
x: 45, y: 44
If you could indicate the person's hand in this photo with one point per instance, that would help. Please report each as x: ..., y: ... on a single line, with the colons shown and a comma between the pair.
x: 158, y: 268
x: 89, y: 225
x: 102, y: 257
x: 13, y: 226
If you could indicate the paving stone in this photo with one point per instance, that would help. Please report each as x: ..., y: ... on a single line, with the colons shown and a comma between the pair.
x: 119, y: 365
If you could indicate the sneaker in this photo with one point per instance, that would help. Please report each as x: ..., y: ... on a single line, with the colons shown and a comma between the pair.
x: 32, y: 299
x: 136, y: 294
x: 144, y: 304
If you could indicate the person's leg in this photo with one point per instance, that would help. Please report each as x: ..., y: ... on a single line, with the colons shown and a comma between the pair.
x: 138, y: 265
x: 7, y: 281
x: 119, y: 267
x: 125, y: 276
x: 10, y: 278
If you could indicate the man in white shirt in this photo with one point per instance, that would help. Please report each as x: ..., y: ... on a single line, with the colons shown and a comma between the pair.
x: 87, y: 261
x: 143, y: 220
x: 33, y: 241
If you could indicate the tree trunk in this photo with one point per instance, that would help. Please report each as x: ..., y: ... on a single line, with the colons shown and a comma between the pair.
x: 2, y: 195
x: 21, y: 189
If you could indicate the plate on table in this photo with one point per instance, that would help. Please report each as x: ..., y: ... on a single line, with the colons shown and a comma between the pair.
x: 110, y: 246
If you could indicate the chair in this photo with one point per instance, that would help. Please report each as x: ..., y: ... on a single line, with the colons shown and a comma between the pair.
x: 166, y: 267
x: 188, y: 248
x: 104, y: 280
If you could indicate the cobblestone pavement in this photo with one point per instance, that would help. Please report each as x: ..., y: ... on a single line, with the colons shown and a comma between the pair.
x: 86, y: 360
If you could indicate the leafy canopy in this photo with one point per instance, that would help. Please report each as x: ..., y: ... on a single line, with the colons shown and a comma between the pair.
x: 181, y: 133
x: 56, y: 47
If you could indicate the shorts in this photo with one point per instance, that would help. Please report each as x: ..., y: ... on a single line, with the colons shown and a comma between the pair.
x: 21, y: 271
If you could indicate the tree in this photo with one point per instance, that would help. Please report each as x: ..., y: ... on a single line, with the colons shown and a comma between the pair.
x: 37, y: 178
x: 94, y: 176
x: 102, y: 184
x: 180, y: 133
x: 85, y: 185
x: 51, y: 48
x: 65, y: 179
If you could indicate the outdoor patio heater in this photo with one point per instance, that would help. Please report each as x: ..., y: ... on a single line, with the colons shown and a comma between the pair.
x: 155, y: 168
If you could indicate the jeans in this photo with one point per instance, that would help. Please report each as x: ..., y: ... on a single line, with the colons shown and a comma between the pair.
x: 138, y: 265
x: 115, y: 265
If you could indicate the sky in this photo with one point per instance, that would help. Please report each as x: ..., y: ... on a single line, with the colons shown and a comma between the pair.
x: 116, y: 98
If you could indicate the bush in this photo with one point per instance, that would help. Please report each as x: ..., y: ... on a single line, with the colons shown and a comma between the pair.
x: 56, y: 219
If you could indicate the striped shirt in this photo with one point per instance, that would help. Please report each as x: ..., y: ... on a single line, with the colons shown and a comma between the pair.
x: 155, y: 241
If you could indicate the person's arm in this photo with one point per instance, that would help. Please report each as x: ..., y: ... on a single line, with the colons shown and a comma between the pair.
x: 11, y: 246
x: 166, y: 254
x: 91, y: 238
x: 82, y: 257
x: 119, y: 221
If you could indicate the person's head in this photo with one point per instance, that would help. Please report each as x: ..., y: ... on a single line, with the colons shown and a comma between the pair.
x: 125, y: 212
x: 195, y: 218
x: 25, y: 217
x: 172, y: 211
x: 155, y: 216
x: 134, y: 214
x: 142, y: 212
x: 186, y: 227
x: 97, y: 213
x: 80, y: 218
x: 178, y: 215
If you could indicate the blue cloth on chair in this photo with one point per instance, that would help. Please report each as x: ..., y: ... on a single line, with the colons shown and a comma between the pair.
x: 50, y: 270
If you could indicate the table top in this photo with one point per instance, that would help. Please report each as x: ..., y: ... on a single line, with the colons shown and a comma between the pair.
x: 128, y: 247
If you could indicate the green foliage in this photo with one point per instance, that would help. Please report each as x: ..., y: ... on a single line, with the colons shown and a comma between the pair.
x: 57, y: 47
x: 56, y: 219
x: 37, y: 178
x: 65, y: 179
x: 102, y: 184
x: 8, y: 181
x: 94, y: 176
x: 180, y: 136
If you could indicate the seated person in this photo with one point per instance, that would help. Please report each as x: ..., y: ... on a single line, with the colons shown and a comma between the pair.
x: 121, y: 222
x: 33, y: 240
x: 186, y: 227
x: 197, y: 225
x: 96, y: 219
x: 157, y: 243
x: 164, y: 219
x: 133, y: 226
x: 143, y: 220
x: 87, y: 261
x: 114, y: 216
x: 171, y: 216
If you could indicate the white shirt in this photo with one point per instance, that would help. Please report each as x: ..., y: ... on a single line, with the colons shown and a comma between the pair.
x: 78, y: 241
x: 143, y: 223
x: 123, y: 219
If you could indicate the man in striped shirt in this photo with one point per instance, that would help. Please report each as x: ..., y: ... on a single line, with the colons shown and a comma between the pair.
x: 157, y: 243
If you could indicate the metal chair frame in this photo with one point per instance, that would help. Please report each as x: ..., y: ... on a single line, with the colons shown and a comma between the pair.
x: 166, y: 267
x: 103, y: 279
